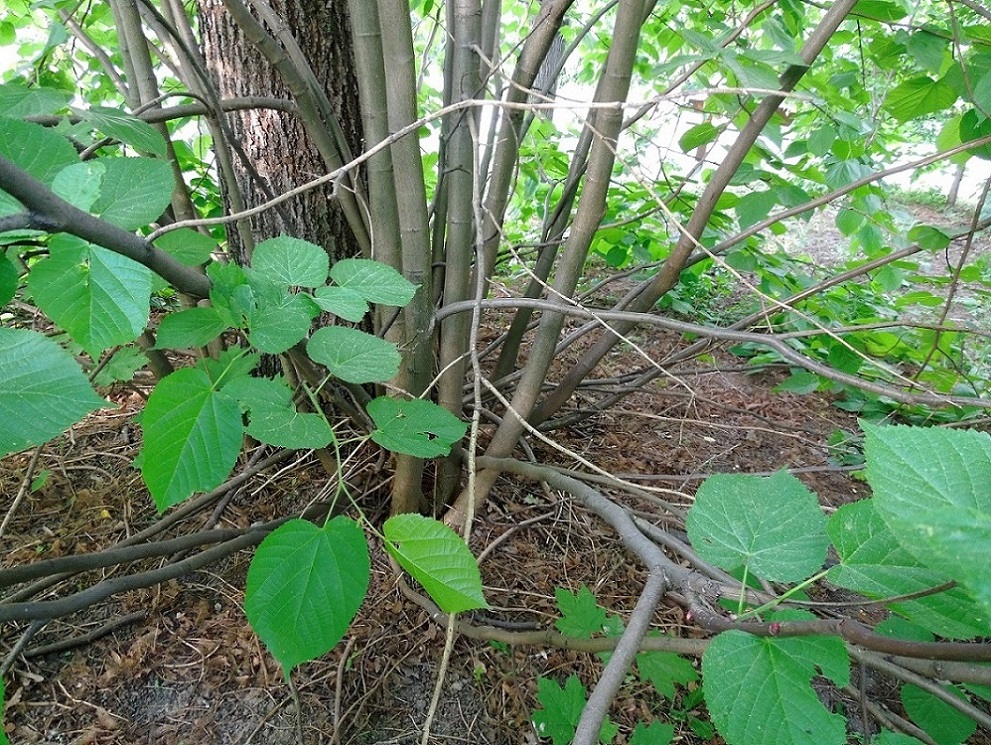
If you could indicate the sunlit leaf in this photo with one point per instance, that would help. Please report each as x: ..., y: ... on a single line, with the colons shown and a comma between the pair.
x: 192, y: 436
x: 437, y: 558
x: 305, y: 585
x: 772, y: 525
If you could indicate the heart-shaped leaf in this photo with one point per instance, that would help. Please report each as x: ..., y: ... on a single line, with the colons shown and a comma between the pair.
x: 305, y: 585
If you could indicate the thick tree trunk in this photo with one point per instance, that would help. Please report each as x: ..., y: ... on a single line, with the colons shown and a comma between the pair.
x: 275, y: 143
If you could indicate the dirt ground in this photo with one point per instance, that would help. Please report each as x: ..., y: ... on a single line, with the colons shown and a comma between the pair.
x: 184, y: 667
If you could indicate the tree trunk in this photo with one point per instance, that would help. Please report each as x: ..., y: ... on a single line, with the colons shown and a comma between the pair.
x: 275, y: 143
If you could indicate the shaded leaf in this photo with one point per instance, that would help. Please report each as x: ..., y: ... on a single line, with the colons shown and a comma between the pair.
x: 126, y: 128
x: 42, y: 390
x: 9, y: 278
x: 121, y: 366
x: 946, y: 725
x: 665, y: 670
x: 353, y: 355
x: 415, y: 427
x: 654, y: 733
x: 375, y: 282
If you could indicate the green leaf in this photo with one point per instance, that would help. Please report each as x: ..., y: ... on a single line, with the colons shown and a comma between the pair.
x: 945, y: 725
x: 126, y: 128
x: 194, y: 327
x: 289, y: 428
x: 664, y: 670
x: 758, y: 689
x: 79, y: 184
x: 192, y: 437
x: 353, y: 355
x: 919, y: 96
x: 39, y: 151
x: 973, y: 125
x: 42, y: 390
x: 3, y: 704
x: 414, y: 427
x: 100, y: 297
x: 929, y: 50
x: 562, y: 710
x: 188, y: 246
x: 342, y: 302
x: 654, y: 733
x: 18, y: 101
x: 8, y: 279
x: 822, y: 139
x: 305, y: 586
x: 875, y: 565
x: 771, y: 525
x: 377, y: 283
x: 799, y: 382
x: 132, y: 191
x: 931, y: 488
x: 290, y: 261
x: 121, y: 366
x: 581, y: 616
x: 135, y: 191
x: 849, y: 221
x: 754, y: 207
x: 697, y: 136
x: 273, y: 418
x: 278, y: 323
x: 929, y: 237
x: 879, y: 10
x: 437, y: 558
x: 231, y: 365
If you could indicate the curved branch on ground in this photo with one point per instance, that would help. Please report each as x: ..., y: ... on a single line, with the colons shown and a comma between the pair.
x: 188, y: 509
x: 49, y: 609
x: 112, y: 557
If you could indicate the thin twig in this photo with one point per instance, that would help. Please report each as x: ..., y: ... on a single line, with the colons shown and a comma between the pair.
x: 22, y: 491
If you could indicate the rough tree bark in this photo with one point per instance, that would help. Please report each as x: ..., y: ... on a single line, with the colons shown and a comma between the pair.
x: 275, y: 142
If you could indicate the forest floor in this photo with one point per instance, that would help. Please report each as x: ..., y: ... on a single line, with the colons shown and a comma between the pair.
x: 184, y: 667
